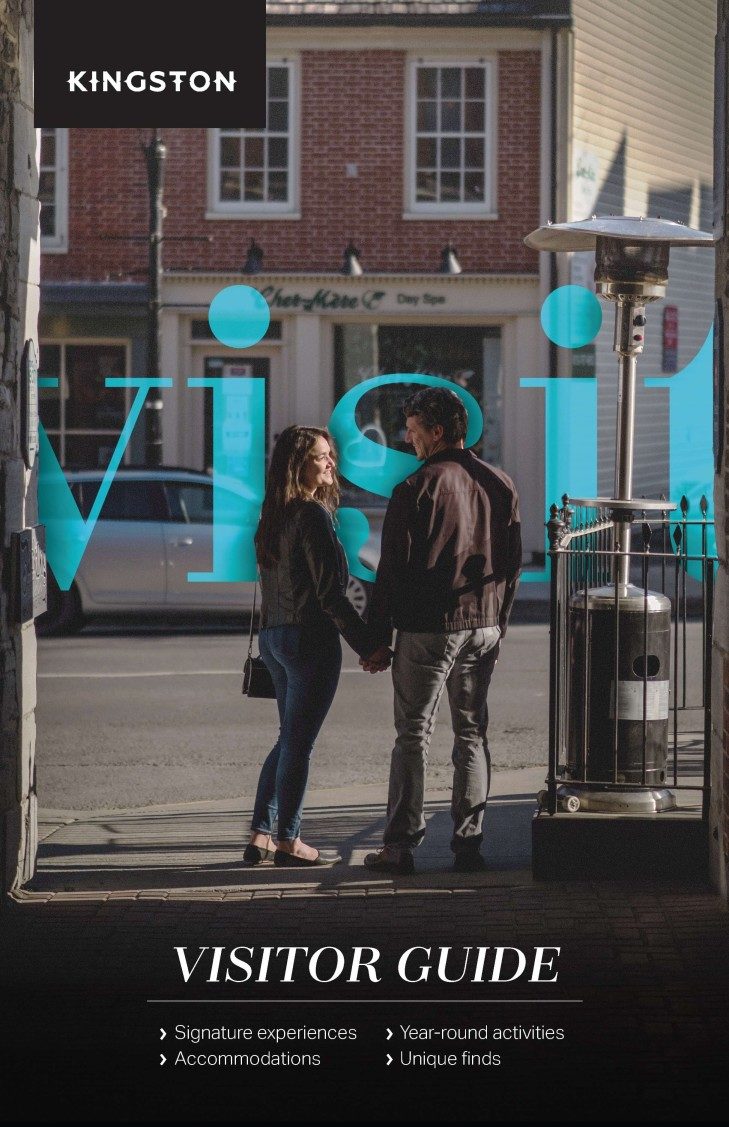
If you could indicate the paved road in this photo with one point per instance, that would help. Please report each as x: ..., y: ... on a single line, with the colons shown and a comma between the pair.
x: 146, y: 717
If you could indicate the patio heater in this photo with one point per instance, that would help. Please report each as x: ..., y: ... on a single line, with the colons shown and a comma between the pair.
x: 617, y: 729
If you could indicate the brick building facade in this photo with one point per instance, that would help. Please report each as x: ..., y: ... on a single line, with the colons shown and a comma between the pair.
x: 352, y: 109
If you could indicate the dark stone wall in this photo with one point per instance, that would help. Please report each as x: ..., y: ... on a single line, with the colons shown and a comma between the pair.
x: 19, y: 293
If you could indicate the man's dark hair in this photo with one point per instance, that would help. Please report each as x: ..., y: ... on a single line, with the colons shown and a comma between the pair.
x: 439, y: 406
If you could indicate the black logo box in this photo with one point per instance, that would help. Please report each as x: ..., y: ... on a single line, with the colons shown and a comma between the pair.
x: 150, y: 35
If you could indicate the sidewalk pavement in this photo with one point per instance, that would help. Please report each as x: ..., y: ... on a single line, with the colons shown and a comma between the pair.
x: 195, y: 848
x: 117, y: 890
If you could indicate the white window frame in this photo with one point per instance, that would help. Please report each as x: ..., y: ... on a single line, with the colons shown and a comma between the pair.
x: 58, y: 243
x: 481, y: 209
x: 274, y: 209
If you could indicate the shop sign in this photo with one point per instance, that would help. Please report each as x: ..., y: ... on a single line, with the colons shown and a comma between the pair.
x: 583, y: 361
x: 29, y: 403
x: 669, y: 361
x: 585, y: 183
x: 29, y: 573
x: 329, y: 301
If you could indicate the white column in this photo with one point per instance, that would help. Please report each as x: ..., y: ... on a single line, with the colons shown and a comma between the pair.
x: 306, y: 372
x: 524, y: 427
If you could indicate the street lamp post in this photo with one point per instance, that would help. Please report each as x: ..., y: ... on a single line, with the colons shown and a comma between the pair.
x: 155, y: 154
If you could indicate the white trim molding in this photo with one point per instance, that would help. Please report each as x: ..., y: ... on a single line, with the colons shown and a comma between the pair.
x: 458, y: 144
x: 57, y: 242
x: 269, y: 163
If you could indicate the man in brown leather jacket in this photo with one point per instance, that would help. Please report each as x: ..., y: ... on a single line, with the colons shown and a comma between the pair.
x: 448, y: 573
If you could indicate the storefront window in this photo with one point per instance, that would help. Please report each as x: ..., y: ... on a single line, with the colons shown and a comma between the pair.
x: 240, y: 406
x: 469, y: 356
x: 82, y: 417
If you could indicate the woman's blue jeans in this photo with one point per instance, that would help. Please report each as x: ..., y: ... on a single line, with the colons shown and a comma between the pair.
x: 305, y: 670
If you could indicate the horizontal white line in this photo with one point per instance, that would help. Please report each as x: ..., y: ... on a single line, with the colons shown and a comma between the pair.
x: 158, y: 673
x: 366, y: 1001
x: 147, y: 673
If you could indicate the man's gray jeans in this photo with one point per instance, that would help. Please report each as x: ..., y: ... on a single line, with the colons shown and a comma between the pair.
x: 424, y: 665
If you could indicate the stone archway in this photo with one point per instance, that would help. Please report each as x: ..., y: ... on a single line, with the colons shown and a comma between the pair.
x: 19, y: 295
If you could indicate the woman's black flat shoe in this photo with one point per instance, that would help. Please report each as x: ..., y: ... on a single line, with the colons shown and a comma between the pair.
x: 254, y: 855
x: 291, y: 861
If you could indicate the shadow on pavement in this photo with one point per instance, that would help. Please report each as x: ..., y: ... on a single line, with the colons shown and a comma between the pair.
x: 199, y: 849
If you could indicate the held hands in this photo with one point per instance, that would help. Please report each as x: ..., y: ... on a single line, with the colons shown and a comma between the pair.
x: 378, y: 661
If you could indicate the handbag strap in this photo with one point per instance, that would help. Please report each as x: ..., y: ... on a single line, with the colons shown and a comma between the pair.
x: 253, y: 618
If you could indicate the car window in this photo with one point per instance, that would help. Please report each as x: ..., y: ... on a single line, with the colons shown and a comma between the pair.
x: 189, y: 502
x: 126, y: 500
x: 192, y: 503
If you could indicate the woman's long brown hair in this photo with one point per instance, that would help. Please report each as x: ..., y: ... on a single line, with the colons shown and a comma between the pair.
x: 284, y: 485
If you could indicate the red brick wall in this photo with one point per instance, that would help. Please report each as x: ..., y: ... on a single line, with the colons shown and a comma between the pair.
x: 352, y: 111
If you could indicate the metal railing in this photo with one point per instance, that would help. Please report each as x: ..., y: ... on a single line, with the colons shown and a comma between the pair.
x: 673, y: 561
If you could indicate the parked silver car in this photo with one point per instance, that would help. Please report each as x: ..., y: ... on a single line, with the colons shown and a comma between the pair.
x: 154, y: 528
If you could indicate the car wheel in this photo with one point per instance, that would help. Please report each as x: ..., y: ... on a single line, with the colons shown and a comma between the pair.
x: 64, y: 612
x: 358, y: 594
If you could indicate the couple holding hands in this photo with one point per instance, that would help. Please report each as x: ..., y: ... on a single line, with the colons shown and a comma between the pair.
x: 448, y: 573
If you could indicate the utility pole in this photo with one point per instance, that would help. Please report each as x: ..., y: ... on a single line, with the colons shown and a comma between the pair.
x: 155, y: 155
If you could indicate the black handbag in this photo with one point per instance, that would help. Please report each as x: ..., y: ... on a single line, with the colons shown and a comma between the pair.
x: 257, y: 681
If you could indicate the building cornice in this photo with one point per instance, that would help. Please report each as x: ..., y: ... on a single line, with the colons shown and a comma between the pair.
x: 365, y: 280
x: 538, y: 14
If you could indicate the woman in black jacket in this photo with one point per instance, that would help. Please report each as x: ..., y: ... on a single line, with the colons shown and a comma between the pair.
x: 304, y: 575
